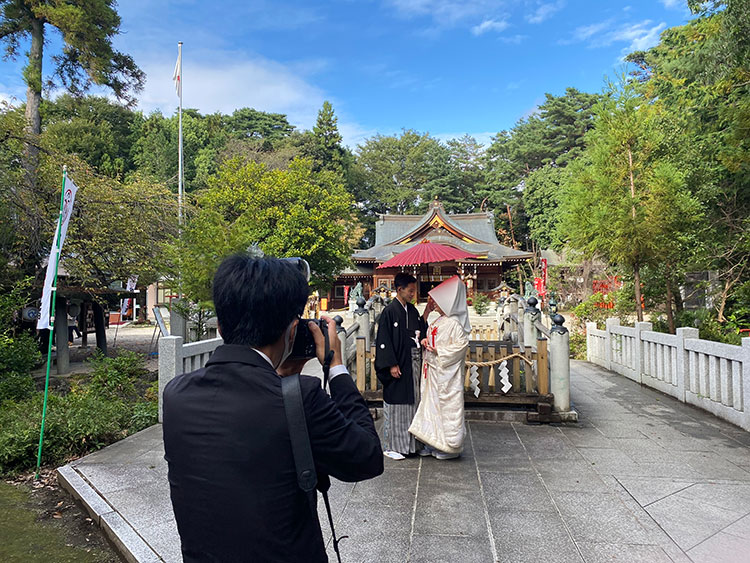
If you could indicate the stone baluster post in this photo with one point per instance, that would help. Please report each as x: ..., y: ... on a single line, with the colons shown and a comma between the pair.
x: 611, y: 323
x: 682, y: 362
x: 362, y: 317
x: 638, y: 354
x: 590, y: 354
x: 341, y: 332
x: 530, y: 316
x: 559, y: 360
x: 746, y: 382
x: 170, y: 363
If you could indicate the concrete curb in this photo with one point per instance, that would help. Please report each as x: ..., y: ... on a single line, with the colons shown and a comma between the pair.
x: 123, y: 536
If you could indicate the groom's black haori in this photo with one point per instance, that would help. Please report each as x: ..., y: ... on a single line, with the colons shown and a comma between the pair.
x: 397, y: 344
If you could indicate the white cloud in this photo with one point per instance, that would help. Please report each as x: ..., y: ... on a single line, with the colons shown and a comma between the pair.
x: 228, y: 81
x: 545, y: 11
x: 514, y: 39
x: 354, y: 134
x: 480, y: 16
x: 673, y: 3
x: 585, y: 32
x: 489, y: 25
x: 638, y: 36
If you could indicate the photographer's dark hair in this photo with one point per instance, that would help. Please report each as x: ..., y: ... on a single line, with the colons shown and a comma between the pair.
x: 402, y: 280
x: 257, y: 298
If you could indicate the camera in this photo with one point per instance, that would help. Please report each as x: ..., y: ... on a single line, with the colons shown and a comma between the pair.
x: 304, y: 344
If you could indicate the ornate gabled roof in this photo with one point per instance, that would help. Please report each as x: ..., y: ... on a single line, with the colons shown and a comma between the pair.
x: 473, y: 232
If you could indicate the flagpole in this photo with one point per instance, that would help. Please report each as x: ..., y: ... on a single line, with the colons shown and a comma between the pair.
x: 179, y: 170
x: 53, y: 322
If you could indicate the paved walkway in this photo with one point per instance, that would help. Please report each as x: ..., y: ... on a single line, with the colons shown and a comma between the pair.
x: 641, y: 477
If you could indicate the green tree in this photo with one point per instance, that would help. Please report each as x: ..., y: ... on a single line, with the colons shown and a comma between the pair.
x: 464, y: 179
x: 700, y: 71
x: 324, y: 145
x: 292, y: 212
x: 554, y: 135
x: 156, y: 147
x: 542, y: 194
x: 401, y: 171
x: 94, y: 128
x: 625, y: 197
x: 87, y: 28
x: 249, y: 123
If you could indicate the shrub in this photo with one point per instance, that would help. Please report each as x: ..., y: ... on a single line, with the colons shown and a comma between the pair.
x: 15, y: 387
x: 578, y: 345
x: 481, y: 303
x: 114, y: 377
x: 18, y: 355
x: 145, y: 414
x: 76, y: 423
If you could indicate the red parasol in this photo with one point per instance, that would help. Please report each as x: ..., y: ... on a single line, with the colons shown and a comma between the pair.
x: 426, y: 252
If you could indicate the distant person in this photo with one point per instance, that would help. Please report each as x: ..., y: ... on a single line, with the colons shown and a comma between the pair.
x: 398, y: 361
x: 439, y: 421
x: 73, y: 328
x: 232, y: 471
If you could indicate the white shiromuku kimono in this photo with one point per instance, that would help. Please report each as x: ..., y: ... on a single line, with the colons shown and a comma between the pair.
x: 439, y: 421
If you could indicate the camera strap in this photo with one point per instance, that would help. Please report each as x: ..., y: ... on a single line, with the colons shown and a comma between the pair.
x: 327, y: 358
x: 307, y: 477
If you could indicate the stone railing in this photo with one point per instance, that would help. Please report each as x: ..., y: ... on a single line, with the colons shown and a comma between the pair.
x: 176, y: 358
x: 710, y: 375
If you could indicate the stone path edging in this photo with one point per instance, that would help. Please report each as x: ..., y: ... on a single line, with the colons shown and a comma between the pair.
x: 123, y: 536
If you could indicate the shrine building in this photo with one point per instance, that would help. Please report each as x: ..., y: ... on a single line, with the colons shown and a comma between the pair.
x: 471, y: 232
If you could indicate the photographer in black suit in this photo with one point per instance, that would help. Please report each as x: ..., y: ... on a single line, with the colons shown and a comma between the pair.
x: 231, y: 468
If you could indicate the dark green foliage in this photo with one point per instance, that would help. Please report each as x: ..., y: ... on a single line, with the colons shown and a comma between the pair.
x: 145, y: 414
x: 94, y: 128
x: 18, y: 350
x: 95, y: 413
x: 76, y: 424
x: 114, y: 377
x: 578, y: 345
x: 249, y: 123
x: 18, y: 356
x: 324, y: 145
x: 87, y: 30
x: 481, y: 303
x: 552, y: 137
x: 541, y: 197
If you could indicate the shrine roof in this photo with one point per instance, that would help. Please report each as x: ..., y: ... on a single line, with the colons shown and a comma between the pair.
x: 473, y: 232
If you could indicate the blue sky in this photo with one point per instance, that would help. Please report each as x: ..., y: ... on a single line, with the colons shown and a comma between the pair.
x: 446, y: 67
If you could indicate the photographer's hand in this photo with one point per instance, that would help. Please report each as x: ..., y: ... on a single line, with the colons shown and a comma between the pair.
x: 291, y: 366
x: 333, y: 342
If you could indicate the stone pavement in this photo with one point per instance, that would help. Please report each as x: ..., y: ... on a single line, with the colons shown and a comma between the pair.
x: 641, y: 477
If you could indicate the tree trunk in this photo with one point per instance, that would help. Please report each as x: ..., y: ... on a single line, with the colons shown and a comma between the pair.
x: 670, y: 316
x: 83, y: 324
x: 679, y: 306
x: 142, y: 307
x: 101, y: 331
x: 723, y: 301
x: 637, y: 283
x: 33, y: 77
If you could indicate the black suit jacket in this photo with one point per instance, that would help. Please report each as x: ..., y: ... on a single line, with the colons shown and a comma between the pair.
x: 231, y: 469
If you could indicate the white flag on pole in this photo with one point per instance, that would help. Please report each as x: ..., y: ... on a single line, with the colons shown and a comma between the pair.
x: 177, y: 76
x: 69, y: 197
x: 132, y: 281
